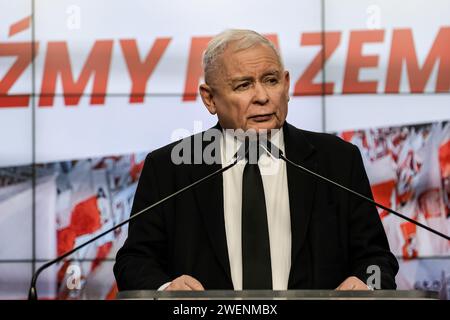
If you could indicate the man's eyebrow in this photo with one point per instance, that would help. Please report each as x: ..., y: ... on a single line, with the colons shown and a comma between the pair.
x: 265, y: 74
x: 243, y: 78
x: 271, y: 72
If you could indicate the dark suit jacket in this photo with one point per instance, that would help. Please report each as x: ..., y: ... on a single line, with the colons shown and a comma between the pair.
x: 334, y: 234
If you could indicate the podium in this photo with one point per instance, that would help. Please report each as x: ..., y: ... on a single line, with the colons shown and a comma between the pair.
x: 278, y: 295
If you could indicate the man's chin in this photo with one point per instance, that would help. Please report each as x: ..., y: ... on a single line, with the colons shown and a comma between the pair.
x: 263, y: 126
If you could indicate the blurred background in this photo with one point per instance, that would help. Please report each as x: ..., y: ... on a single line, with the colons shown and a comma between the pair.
x: 88, y: 88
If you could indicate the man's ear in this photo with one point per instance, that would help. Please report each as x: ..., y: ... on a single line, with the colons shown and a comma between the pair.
x: 206, y: 92
x: 287, y: 82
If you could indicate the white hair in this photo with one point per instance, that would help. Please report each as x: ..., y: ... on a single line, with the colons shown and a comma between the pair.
x: 242, y: 39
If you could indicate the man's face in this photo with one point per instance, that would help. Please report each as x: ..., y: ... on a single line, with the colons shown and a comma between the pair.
x: 251, y: 90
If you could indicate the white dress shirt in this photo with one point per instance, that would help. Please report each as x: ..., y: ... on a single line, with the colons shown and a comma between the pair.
x: 274, y: 177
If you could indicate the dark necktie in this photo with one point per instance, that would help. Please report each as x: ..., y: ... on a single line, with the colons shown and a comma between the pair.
x: 256, y: 263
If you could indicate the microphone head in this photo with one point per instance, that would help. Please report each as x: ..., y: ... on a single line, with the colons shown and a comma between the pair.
x: 249, y: 150
x: 243, y: 150
x: 252, y: 148
x: 269, y: 148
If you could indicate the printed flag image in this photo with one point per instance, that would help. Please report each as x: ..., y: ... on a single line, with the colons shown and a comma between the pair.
x: 409, y: 171
x: 93, y: 196
x: 75, y: 200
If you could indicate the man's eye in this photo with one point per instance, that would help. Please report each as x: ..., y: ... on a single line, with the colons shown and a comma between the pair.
x: 243, y: 86
x: 272, y: 80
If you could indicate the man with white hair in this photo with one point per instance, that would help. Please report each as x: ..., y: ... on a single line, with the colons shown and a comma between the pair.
x: 259, y: 225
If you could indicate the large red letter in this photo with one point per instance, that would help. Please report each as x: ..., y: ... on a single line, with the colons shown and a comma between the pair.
x: 305, y: 86
x: 25, y: 54
x: 403, y: 50
x: 140, y: 71
x: 356, y: 61
x: 57, y: 61
x: 195, y: 70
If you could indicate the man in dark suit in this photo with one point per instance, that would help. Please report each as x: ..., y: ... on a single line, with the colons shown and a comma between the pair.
x: 246, y: 229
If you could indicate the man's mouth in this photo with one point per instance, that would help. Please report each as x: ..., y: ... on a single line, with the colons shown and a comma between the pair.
x: 262, y: 117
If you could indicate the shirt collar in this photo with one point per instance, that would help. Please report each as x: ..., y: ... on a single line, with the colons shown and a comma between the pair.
x: 230, y: 143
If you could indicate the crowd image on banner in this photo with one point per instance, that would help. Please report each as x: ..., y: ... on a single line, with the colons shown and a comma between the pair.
x: 409, y: 171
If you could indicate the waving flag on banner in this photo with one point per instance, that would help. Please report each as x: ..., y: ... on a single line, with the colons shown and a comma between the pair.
x: 409, y: 171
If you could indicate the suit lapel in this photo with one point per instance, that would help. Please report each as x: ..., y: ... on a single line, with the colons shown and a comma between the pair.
x: 301, y: 186
x: 209, y: 196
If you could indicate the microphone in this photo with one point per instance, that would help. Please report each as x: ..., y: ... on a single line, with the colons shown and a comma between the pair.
x: 240, y: 154
x: 272, y: 150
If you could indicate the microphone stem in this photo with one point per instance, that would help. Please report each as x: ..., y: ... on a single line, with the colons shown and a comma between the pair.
x: 32, y: 293
x: 363, y: 196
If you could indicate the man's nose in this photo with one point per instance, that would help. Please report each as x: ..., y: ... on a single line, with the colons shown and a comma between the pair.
x: 261, y: 96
